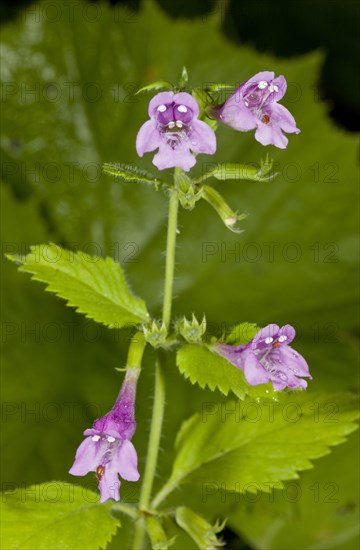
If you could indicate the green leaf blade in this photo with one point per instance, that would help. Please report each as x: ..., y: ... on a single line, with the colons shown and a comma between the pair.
x: 207, y: 369
x: 252, y: 445
x: 49, y: 516
x: 92, y: 285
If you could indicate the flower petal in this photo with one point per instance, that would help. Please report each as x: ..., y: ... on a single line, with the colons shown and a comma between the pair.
x: 271, y: 134
x: 109, y: 484
x: 254, y: 372
x: 148, y: 138
x: 284, y: 119
x: 270, y: 331
x: 234, y: 354
x: 202, y: 138
x: 167, y: 157
x: 289, y: 332
x: 235, y: 114
x: 294, y: 361
x: 161, y: 98
x: 125, y: 461
x: 88, y: 457
x: 281, y: 83
x: 183, y: 98
x: 278, y: 383
x: 263, y: 75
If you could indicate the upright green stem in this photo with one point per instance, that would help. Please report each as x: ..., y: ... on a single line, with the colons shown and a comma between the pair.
x: 159, y: 395
x: 170, y: 257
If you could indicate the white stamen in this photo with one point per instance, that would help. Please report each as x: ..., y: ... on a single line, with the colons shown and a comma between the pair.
x: 262, y: 84
x: 179, y: 124
x: 110, y: 439
x: 268, y: 340
x: 95, y: 438
x: 273, y: 88
x: 182, y: 108
x: 162, y: 108
x: 171, y: 125
x: 282, y: 338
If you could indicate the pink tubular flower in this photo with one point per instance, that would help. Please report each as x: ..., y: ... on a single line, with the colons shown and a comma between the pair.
x: 107, y: 449
x: 175, y: 130
x: 268, y: 357
x: 254, y: 104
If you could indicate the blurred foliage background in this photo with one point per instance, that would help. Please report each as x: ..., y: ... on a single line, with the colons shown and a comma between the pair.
x: 69, y: 78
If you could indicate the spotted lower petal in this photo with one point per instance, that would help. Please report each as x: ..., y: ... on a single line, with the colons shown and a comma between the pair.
x: 109, y: 484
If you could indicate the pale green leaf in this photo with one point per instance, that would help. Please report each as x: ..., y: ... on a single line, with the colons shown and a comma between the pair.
x: 208, y: 369
x: 55, y: 515
x: 236, y: 171
x: 251, y: 446
x: 155, y: 87
x: 184, y: 79
x: 158, y: 537
x: 228, y: 216
x: 200, y: 530
x: 93, y: 285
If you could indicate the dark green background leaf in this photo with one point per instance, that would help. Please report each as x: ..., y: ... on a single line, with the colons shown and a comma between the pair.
x: 294, y: 263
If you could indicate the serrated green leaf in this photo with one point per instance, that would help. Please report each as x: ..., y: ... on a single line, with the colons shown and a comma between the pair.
x: 250, y: 446
x: 206, y: 368
x: 95, y: 286
x: 50, y: 516
x: 130, y: 173
x: 318, y: 511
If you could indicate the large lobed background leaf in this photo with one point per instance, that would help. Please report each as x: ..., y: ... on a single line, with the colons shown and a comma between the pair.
x: 58, y: 368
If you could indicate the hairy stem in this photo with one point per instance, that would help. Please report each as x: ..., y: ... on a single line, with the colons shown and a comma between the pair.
x: 170, y: 257
x: 159, y: 396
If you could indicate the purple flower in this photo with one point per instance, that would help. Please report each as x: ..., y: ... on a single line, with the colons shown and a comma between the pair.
x: 174, y: 129
x: 107, y: 450
x: 268, y: 356
x: 254, y: 104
